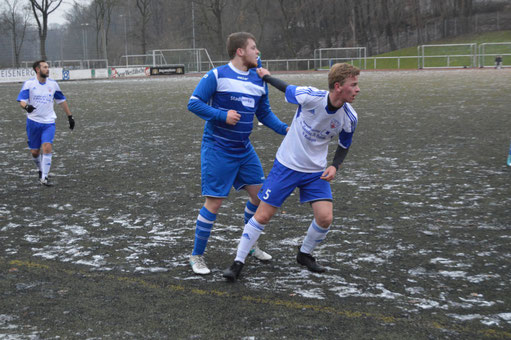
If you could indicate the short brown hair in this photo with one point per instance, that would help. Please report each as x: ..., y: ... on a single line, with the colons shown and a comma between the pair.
x: 37, y: 64
x: 237, y: 40
x: 340, y: 72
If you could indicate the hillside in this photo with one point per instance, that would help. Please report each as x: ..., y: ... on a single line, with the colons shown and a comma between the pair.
x: 488, y: 37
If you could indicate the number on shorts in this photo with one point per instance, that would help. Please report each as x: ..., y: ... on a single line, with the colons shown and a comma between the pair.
x: 267, y: 194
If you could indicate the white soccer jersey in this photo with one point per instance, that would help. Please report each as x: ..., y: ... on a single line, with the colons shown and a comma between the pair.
x: 305, y: 147
x: 41, y: 96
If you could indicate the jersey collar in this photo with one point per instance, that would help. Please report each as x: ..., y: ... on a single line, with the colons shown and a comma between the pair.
x: 330, y: 112
x: 245, y: 73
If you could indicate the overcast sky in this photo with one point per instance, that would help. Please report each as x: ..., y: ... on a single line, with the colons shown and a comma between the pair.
x: 58, y: 17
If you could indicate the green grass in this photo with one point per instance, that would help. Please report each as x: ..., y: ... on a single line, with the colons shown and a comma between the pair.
x: 488, y: 37
x: 411, y: 63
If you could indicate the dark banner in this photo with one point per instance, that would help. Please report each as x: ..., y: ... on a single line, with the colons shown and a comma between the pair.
x: 166, y: 70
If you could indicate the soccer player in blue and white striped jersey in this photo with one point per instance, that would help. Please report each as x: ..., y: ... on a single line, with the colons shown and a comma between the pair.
x: 301, y: 160
x: 227, y: 98
x: 36, y: 97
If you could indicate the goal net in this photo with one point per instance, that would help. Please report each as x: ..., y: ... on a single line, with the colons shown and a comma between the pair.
x: 324, y: 58
x: 194, y: 59
x: 489, y: 51
x: 447, y: 56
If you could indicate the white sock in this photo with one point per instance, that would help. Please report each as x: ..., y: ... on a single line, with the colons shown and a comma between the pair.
x: 315, y: 235
x: 251, y: 233
x: 46, y: 164
x: 37, y: 161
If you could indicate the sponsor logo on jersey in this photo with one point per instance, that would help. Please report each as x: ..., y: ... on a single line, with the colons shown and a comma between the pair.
x: 248, y: 102
x: 242, y: 78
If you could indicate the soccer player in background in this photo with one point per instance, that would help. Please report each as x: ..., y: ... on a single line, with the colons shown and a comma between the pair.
x: 36, y: 97
x: 301, y: 160
x: 227, y: 98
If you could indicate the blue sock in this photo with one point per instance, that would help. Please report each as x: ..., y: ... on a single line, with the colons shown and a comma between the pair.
x: 250, y: 210
x: 203, y: 228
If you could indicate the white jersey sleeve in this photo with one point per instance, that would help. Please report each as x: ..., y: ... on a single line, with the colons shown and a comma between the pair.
x: 307, y: 97
x: 348, y: 127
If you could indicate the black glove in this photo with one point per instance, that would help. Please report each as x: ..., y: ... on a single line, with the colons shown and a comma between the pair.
x: 29, y: 108
x: 71, y: 122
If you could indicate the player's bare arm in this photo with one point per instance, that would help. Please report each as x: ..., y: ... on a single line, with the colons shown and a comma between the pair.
x: 66, y: 109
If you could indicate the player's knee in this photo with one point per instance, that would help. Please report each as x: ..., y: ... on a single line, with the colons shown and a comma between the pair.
x: 46, y: 147
x: 324, y: 220
x: 262, y: 216
x: 213, y: 204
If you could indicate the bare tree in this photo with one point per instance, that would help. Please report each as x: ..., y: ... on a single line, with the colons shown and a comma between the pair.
x: 17, y: 24
x: 145, y: 12
x: 216, y: 8
x: 42, y: 9
x: 262, y: 10
x: 102, y: 17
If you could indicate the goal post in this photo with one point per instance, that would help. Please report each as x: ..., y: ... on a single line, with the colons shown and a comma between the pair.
x: 489, y: 51
x: 194, y: 59
x: 324, y: 58
x: 447, y: 56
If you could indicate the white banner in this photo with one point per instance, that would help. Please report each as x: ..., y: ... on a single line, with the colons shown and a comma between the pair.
x: 119, y: 72
x: 23, y: 74
x: 16, y: 75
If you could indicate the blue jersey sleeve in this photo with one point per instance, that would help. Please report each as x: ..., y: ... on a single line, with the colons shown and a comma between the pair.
x: 23, y: 96
x: 268, y: 118
x: 346, y: 135
x: 291, y: 94
x: 345, y: 139
x: 202, y: 95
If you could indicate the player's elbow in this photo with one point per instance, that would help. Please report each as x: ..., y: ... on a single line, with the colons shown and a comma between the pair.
x: 191, y: 104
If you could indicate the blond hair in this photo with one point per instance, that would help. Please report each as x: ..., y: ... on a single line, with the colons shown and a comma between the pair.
x: 340, y: 72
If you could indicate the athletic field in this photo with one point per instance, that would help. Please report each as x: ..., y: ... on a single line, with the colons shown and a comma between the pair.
x: 419, y: 247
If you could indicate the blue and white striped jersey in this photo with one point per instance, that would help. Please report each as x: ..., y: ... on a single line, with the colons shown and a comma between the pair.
x: 41, y: 96
x: 305, y: 147
x: 226, y: 88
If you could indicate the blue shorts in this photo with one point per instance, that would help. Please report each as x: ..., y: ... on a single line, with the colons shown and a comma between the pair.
x: 220, y: 171
x: 282, y: 181
x: 39, y: 133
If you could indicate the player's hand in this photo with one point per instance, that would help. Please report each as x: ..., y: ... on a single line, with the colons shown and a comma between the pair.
x: 71, y: 122
x: 329, y: 173
x: 29, y: 108
x: 261, y: 72
x: 233, y: 117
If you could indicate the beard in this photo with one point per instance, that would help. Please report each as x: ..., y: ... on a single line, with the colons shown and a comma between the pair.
x: 250, y: 64
x: 44, y: 75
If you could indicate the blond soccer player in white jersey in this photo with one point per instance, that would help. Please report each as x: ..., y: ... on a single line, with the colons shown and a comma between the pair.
x: 301, y: 160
